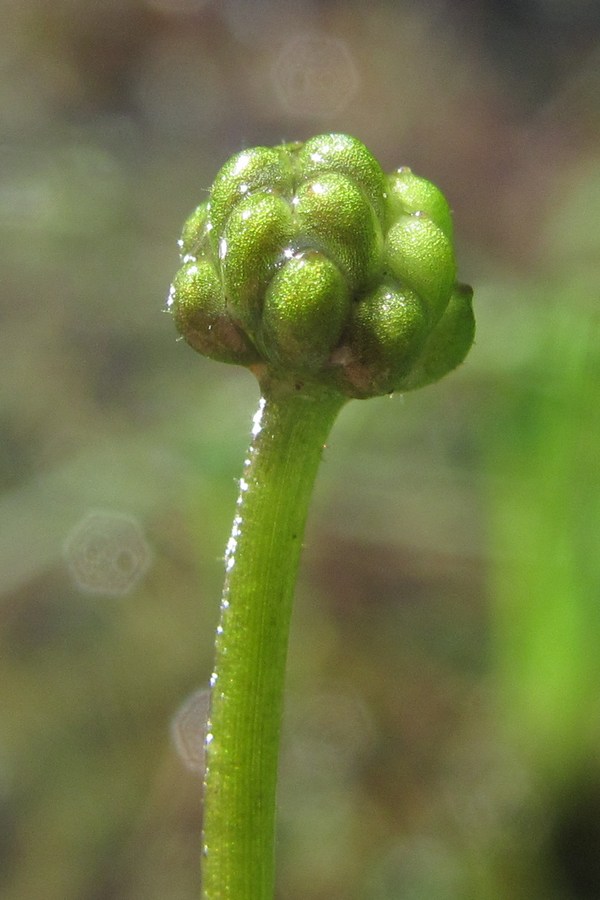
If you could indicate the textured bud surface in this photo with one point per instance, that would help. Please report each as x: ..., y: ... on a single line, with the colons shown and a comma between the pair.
x: 309, y: 263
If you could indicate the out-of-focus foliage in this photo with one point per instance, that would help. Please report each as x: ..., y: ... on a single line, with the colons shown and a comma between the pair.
x: 442, y: 730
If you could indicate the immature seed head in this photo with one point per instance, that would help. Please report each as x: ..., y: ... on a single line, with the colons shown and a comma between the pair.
x: 308, y: 262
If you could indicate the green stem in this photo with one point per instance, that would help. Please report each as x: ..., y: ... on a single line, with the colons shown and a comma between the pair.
x: 289, y: 431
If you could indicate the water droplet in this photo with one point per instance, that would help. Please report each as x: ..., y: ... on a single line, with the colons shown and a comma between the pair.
x: 257, y: 419
x: 241, y: 163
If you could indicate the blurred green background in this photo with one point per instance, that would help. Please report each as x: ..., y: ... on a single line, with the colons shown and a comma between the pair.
x: 442, y: 733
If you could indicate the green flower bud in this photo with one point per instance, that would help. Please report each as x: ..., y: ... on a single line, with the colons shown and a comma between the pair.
x: 307, y: 263
x: 447, y: 344
x: 387, y: 332
x: 200, y: 314
x: 336, y: 217
x: 305, y: 311
x: 194, y: 236
x: 250, y: 249
x: 409, y: 193
x: 261, y: 169
x: 419, y: 254
x: 345, y: 155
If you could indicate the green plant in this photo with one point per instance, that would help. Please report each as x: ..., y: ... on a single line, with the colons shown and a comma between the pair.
x: 329, y: 280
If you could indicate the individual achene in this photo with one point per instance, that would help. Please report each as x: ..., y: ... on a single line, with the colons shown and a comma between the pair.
x: 308, y: 263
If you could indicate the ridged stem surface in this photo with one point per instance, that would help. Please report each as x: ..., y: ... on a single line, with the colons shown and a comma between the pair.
x: 288, y: 434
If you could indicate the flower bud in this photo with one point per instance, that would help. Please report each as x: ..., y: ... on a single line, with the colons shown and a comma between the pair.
x: 306, y: 308
x: 308, y: 263
x: 408, y: 193
x: 419, y: 254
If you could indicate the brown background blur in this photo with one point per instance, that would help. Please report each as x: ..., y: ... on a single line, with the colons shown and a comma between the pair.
x: 423, y: 755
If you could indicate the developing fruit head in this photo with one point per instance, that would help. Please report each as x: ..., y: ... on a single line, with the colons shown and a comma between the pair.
x: 308, y: 262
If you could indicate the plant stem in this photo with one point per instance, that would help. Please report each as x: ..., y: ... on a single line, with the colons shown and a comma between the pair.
x: 288, y: 434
